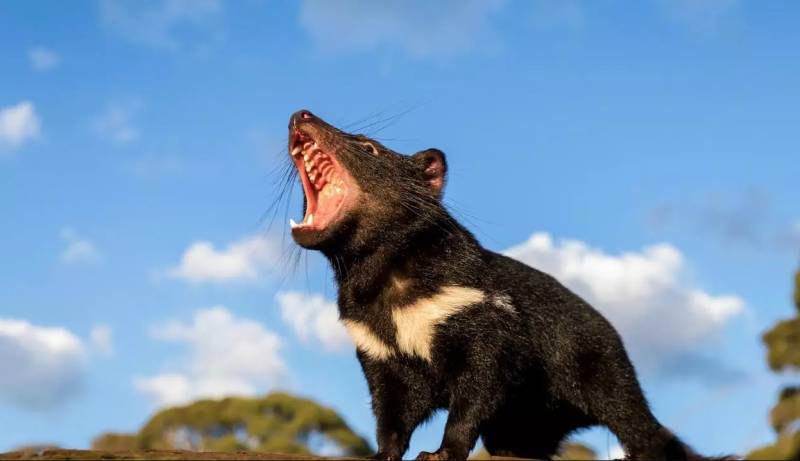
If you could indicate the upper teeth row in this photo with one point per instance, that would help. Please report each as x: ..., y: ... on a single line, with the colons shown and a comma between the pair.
x: 316, y: 164
x: 309, y: 150
x: 307, y: 147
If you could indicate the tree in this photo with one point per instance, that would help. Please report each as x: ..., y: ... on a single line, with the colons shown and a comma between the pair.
x: 278, y: 422
x: 575, y: 451
x: 783, y: 344
x: 116, y: 441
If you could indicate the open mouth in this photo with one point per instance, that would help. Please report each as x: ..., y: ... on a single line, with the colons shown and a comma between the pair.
x: 325, y: 182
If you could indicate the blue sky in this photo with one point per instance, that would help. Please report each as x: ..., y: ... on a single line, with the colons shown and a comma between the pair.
x: 645, y: 153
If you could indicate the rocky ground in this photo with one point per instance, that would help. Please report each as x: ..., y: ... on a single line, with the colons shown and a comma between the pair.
x: 151, y: 454
x: 165, y: 455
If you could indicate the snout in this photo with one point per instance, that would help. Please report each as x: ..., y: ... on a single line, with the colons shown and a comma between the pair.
x: 299, y: 117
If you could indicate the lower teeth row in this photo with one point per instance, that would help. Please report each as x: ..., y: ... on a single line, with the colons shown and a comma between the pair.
x: 308, y: 221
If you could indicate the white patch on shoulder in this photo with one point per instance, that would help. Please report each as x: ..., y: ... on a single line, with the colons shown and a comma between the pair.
x: 366, y: 341
x: 503, y: 301
x: 416, y: 322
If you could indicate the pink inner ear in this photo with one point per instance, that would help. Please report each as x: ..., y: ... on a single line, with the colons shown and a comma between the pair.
x: 434, y: 173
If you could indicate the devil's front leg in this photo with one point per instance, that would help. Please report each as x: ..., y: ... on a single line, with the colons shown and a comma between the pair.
x: 400, y: 404
x: 475, y: 396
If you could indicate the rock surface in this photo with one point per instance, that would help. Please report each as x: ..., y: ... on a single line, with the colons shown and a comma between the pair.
x: 153, y: 454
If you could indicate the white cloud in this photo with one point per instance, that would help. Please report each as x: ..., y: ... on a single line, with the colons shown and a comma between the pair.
x: 18, y: 125
x: 244, y: 260
x: 101, y: 339
x: 77, y: 249
x: 43, y: 59
x: 419, y: 28
x: 311, y: 316
x: 162, y: 24
x: 616, y: 452
x: 116, y: 122
x: 227, y: 355
x: 645, y: 294
x: 44, y: 366
x: 165, y: 388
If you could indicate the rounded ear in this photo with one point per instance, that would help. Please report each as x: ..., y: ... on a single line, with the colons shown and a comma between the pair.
x: 434, y: 168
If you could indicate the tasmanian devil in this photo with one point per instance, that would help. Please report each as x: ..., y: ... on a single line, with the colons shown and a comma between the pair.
x: 439, y: 322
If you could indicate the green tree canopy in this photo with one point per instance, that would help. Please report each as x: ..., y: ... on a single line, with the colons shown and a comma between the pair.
x: 116, y: 441
x: 783, y: 353
x: 278, y: 422
x: 575, y: 451
x: 783, y: 340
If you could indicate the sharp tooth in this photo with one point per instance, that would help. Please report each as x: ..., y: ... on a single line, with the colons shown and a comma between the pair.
x: 312, y: 175
x: 308, y: 167
x: 292, y: 223
x: 310, y: 219
x: 296, y: 151
x: 306, y: 157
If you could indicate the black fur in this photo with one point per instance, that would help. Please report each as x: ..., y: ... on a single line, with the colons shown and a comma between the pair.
x: 521, y: 378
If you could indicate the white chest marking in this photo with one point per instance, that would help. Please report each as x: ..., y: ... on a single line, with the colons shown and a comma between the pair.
x: 366, y: 341
x: 416, y: 323
x: 503, y: 301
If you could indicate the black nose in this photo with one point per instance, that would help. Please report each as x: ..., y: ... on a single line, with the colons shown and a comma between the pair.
x: 300, y: 116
